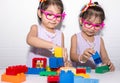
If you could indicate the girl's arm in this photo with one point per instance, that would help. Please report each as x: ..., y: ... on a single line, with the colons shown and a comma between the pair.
x: 105, y: 57
x: 73, y: 49
x: 33, y: 40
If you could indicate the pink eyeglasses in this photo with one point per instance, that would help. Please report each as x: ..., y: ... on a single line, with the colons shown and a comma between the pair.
x: 90, y: 25
x: 51, y: 16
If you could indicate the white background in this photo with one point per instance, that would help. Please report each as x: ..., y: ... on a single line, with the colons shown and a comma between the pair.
x: 16, y: 17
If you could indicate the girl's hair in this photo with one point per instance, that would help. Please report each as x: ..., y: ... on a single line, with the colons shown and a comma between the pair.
x: 94, y: 9
x: 45, y: 4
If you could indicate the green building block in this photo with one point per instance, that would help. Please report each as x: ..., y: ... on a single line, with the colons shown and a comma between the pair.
x: 102, y: 69
x: 47, y: 73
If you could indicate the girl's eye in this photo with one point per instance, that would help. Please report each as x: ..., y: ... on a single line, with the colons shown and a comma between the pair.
x: 58, y: 16
x: 88, y: 23
x: 49, y: 14
x: 98, y: 25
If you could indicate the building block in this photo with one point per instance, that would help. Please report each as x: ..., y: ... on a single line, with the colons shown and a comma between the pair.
x: 48, y: 73
x: 80, y: 70
x: 34, y: 70
x: 91, y: 80
x: 14, y: 70
x: 14, y: 78
x: 55, y: 62
x: 102, y: 69
x: 66, y: 69
x: 58, y: 52
x: 66, y: 77
x: 96, y: 57
x: 83, y: 75
x: 39, y: 62
x: 88, y: 69
x: 78, y: 79
x: 53, y: 79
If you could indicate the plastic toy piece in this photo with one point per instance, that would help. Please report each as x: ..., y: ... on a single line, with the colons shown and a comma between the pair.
x: 88, y: 69
x: 78, y: 79
x: 81, y: 70
x: 14, y: 70
x: 66, y: 69
x: 53, y: 79
x: 34, y: 70
x: 47, y: 73
x: 97, y: 59
x: 66, y: 77
x: 56, y: 62
x: 58, y: 52
x: 83, y: 75
x: 102, y: 69
x: 39, y: 62
x: 14, y: 78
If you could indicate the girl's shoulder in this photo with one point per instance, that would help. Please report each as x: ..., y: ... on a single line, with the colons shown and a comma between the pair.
x: 34, y: 27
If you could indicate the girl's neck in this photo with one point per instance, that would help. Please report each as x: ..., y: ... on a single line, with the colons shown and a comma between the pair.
x: 87, y: 38
x: 51, y: 30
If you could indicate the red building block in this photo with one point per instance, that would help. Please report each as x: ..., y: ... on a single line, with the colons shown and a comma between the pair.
x: 43, y: 60
x: 14, y: 70
x: 81, y: 70
x: 53, y: 79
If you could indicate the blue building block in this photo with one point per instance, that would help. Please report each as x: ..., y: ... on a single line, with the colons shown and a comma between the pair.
x: 66, y: 77
x: 78, y: 79
x: 97, y: 59
x: 34, y: 70
x: 55, y: 62
x: 91, y: 81
x: 60, y: 62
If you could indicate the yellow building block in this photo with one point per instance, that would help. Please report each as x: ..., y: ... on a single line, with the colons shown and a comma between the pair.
x: 83, y: 75
x: 58, y: 52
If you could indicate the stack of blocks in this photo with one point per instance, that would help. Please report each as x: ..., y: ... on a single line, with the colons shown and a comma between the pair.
x: 57, y: 60
x: 15, y: 74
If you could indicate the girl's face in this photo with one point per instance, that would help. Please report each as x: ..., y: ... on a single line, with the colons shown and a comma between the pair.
x: 51, y: 17
x: 91, y: 26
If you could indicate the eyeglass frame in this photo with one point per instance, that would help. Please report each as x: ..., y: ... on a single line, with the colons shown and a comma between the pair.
x: 101, y: 25
x: 55, y: 15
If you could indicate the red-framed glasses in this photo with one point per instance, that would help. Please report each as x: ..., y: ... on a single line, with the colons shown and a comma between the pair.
x: 51, y: 16
x: 91, y: 25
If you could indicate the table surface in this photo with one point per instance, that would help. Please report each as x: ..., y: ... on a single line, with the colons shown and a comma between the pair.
x: 109, y: 77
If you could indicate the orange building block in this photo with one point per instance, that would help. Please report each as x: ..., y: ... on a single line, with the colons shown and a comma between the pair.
x: 14, y: 78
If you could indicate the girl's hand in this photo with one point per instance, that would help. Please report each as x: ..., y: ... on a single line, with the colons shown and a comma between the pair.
x: 65, y: 54
x: 87, y: 54
x: 111, y: 66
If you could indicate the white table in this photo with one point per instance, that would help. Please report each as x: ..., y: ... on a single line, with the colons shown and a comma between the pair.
x: 109, y: 77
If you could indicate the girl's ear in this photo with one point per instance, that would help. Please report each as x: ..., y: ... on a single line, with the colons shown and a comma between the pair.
x: 80, y: 20
x: 39, y: 13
